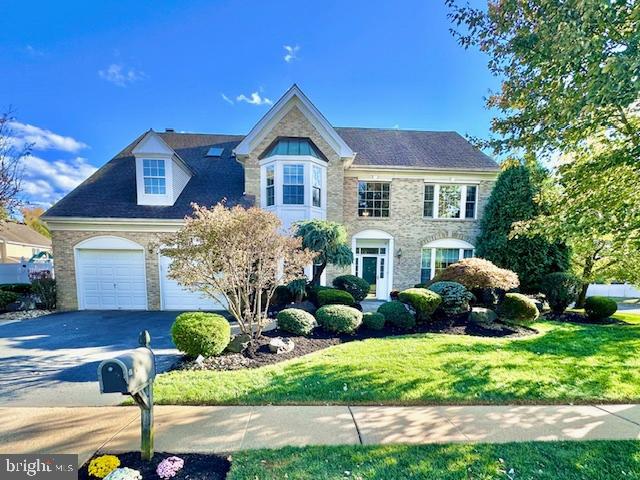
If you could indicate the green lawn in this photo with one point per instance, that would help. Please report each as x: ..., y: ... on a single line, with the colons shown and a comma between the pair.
x: 565, y: 363
x: 601, y: 460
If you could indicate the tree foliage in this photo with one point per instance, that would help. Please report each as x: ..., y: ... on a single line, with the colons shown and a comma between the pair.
x: 513, y: 200
x: 236, y: 256
x: 11, y: 166
x: 568, y: 70
x: 329, y: 242
x: 32, y: 218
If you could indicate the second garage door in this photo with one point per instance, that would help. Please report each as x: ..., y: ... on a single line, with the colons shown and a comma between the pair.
x: 111, y: 280
x: 175, y: 297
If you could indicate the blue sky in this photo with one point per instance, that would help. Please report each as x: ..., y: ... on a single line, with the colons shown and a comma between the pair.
x: 85, y: 78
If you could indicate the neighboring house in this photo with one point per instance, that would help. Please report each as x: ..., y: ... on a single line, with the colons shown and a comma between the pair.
x: 18, y: 242
x: 410, y: 201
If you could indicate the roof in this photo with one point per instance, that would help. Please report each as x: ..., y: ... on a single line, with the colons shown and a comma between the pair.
x: 414, y: 148
x: 20, y: 233
x: 111, y: 191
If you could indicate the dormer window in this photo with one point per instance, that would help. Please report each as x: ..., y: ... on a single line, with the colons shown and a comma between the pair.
x: 155, y: 181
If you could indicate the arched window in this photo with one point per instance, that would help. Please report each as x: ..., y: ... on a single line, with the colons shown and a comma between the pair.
x: 439, y: 254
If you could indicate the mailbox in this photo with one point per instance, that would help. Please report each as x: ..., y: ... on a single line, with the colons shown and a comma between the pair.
x: 127, y: 374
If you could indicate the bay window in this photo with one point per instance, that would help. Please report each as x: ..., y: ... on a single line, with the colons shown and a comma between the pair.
x: 271, y: 186
x: 316, y: 186
x: 293, y: 185
x: 450, y: 201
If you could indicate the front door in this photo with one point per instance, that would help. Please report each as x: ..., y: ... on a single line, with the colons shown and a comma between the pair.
x: 369, y: 272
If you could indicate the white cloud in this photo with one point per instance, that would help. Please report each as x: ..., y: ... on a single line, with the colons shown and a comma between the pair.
x: 34, y: 52
x: 42, y: 139
x: 227, y: 99
x: 120, y: 75
x: 255, y: 99
x: 292, y: 53
x: 47, y: 181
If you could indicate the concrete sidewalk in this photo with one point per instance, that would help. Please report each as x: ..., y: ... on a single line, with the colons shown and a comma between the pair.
x: 182, y: 429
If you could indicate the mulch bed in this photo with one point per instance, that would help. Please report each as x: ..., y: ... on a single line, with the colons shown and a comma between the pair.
x: 258, y: 354
x: 196, y: 466
x: 574, y: 317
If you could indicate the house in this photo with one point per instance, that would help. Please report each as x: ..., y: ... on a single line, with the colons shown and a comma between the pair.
x: 19, y: 242
x: 410, y: 200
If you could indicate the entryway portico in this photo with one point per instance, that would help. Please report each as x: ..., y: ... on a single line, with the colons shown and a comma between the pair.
x: 373, y: 260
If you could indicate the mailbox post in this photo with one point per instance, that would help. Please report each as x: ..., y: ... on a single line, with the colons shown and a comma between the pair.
x: 133, y: 374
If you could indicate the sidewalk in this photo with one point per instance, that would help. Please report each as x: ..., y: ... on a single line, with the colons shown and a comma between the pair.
x: 181, y: 429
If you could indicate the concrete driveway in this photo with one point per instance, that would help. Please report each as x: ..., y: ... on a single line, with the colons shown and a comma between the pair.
x: 52, y: 360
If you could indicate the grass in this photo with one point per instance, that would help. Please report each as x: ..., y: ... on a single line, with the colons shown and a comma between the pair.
x: 601, y: 460
x: 565, y: 363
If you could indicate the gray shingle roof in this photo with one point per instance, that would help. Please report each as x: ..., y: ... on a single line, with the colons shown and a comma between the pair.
x: 111, y: 191
x: 15, y: 232
x: 414, y: 148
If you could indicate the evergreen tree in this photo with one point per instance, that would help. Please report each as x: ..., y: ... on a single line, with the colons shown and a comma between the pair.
x: 513, y: 200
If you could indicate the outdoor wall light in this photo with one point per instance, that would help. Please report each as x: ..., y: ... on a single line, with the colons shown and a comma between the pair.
x: 399, y: 253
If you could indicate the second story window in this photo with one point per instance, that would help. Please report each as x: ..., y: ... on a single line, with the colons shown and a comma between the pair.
x: 271, y: 185
x: 470, y: 203
x: 450, y: 201
x: 155, y: 182
x: 373, y: 199
x: 293, y: 185
x: 316, y: 186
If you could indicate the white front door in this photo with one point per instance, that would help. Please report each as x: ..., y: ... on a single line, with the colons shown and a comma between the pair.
x: 175, y: 297
x: 111, y: 280
x: 371, y: 263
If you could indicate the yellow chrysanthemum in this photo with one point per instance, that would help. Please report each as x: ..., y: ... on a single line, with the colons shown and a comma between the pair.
x: 102, y: 466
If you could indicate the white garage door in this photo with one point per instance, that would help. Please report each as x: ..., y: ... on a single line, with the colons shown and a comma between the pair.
x: 111, y: 280
x: 175, y: 297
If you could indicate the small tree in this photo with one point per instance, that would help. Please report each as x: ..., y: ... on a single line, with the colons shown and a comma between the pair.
x: 328, y: 240
x: 236, y: 256
x: 11, y: 166
x: 513, y: 200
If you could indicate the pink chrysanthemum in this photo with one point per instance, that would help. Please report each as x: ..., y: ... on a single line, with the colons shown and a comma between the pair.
x: 168, y: 467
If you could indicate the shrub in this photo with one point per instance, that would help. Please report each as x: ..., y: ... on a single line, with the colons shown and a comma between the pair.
x: 296, y: 321
x: 518, y: 308
x: 478, y: 273
x: 455, y: 297
x: 356, y: 286
x: 281, y: 296
x: 396, y: 314
x: 373, y: 320
x: 6, y: 298
x: 424, y: 302
x: 297, y: 289
x: 339, y: 318
x: 314, y: 290
x: 561, y: 290
x: 597, y: 307
x: 199, y: 333
x: 333, y: 296
x: 19, y: 288
x: 44, y: 287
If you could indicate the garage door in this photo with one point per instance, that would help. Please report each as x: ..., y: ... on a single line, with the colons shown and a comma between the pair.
x: 175, y: 297
x: 111, y: 280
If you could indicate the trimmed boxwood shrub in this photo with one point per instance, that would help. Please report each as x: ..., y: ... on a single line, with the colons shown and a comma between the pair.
x: 561, y: 290
x: 396, y: 314
x: 333, y: 296
x: 313, y: 290
x: 200, y: 333
x: 373, y: 320
x: 294, y: 320
x: 598, y: 307
x: 6, y: 298
x: 19, y: 288
x: 356, y: 286
x: 339, y: 318
x: 455, y: 297
x: 423, y: 301
x: 518, y: 308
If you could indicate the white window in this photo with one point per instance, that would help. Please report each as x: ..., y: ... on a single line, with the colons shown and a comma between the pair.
x: 271, y: 185
x: 438, y: 255
x: 153, y: 172
x: 316, y: 186
x: 450, y: 201
x: 293, y: 185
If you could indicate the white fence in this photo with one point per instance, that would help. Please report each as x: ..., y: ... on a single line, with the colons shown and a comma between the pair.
x: 614, y: 290
x: 19, y: 272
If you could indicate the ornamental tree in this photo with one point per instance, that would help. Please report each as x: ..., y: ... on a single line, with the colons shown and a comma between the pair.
x: 237, y: 256
x: 328, y: 240
x: 513, y: 200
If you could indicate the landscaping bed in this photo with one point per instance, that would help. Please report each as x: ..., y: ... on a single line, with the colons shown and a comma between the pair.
x: 258, y: 354
x: 196, y: 466
x: 579, y: 317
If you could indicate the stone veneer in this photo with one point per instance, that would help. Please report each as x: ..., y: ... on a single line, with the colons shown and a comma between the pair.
x: 63, y: 243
